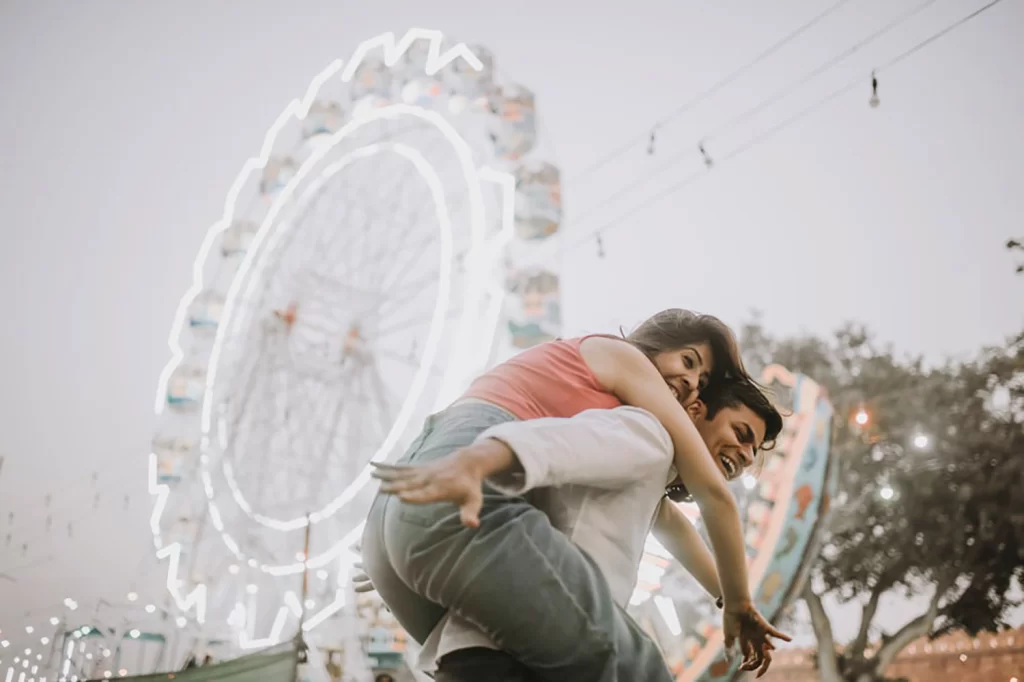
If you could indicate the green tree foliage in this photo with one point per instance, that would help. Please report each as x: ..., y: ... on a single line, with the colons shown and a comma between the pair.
x: 931, y: 495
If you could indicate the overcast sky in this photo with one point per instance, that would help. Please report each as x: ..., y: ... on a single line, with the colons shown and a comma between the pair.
x: 123, y: 123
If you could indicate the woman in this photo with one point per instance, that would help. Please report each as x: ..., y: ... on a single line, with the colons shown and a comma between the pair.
x: 511, y: 573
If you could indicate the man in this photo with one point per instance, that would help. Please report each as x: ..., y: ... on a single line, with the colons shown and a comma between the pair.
x: 600, y: 476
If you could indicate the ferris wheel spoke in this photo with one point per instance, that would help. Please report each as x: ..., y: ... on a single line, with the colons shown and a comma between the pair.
x: 377, y: 389
x: 408, y: 360
x: 412, y: 322
x: 393, y: 275
x: 327, y: 448
x: 249, y: 385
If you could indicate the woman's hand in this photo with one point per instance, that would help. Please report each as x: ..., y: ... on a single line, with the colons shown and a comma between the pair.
x: 748, y: 626
x: 457, y: 478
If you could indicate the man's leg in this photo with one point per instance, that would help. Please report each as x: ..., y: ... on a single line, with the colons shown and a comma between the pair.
x: 479, y: 664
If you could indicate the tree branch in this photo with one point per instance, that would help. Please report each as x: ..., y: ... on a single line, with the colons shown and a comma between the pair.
x: 856, y: 648
x: 828, y: 665
x: 919, y: 627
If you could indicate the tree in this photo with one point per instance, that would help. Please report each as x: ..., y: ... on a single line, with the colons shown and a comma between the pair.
x: 930, y: 489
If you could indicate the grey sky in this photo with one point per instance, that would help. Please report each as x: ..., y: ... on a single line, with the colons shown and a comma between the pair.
x: 123, y: 124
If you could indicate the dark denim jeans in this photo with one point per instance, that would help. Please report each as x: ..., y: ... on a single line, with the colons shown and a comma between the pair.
x: 478, y: 665
x: 517, y: 578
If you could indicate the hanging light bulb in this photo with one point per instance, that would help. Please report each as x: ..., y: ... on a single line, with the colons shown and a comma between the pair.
x: 650, y: 142
x: 874, y: 101
x: 600, y: 247
x: 861, y: 417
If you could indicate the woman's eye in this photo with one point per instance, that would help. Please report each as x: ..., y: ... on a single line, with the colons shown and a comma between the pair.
x: 688, y: 361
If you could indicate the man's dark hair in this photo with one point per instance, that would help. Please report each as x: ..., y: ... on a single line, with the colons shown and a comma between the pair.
x: 735, y: 393
x: 717, y: 397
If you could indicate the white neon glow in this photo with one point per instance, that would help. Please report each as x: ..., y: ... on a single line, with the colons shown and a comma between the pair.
x: 68, y: 653
x: 419, y: 381
x: 393, y: 51
x: 196, y: 599
x: 480, y: 262
x: 273, y: 638
x: 668, y: 614
x: 292, y: 602
x: 422, y: 374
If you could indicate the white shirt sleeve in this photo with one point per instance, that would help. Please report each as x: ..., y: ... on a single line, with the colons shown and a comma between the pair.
x: 601, y: 448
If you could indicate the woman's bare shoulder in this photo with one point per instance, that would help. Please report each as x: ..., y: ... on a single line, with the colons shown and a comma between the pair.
x: 608, y: 357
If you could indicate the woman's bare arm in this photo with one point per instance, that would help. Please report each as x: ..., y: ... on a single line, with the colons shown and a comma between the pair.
x: 629, y: 375
x: 676, y: 534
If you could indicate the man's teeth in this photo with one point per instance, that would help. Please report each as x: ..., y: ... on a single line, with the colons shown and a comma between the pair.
x: 727, y: 463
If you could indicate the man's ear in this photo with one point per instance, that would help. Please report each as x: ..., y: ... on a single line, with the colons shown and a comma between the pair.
x: 697, y: 409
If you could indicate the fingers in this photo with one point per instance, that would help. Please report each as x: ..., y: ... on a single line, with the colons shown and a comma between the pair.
x: 421, y: 495
x: 771, y: 631
x: 403, y: 485
x: 767, y: 654
x: 392, y: 472
x: 751, y: 658
x: 469, y: 512
x: 397, y: 480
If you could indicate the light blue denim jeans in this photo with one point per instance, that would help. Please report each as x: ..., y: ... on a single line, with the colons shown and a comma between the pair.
x: 517, y: 578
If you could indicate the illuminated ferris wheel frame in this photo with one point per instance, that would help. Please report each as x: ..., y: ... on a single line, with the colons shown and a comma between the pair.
x: 482, y: 301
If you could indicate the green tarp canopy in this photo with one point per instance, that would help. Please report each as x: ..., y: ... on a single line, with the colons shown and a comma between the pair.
x: 276, y: 664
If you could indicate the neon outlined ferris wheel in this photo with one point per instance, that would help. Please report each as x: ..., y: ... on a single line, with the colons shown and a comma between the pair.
x: 354, y: 284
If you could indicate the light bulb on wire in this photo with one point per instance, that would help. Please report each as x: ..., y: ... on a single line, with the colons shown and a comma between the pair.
x: 874, y: 101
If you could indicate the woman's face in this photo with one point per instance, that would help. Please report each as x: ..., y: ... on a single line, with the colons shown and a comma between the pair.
x: 686, y: 370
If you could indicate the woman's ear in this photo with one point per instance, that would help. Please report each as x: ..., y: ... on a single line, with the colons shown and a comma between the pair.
x: 697, y: 409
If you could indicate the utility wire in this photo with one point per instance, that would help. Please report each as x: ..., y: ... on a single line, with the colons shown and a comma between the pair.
x: 771, y: 132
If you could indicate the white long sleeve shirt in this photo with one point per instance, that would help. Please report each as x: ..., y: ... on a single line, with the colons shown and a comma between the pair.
x: 605, y: 472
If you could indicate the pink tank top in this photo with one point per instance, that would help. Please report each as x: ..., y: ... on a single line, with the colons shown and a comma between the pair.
x: 549, y: 380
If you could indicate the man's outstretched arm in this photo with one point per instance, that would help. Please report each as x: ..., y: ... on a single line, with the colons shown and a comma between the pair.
x: 600, y: 448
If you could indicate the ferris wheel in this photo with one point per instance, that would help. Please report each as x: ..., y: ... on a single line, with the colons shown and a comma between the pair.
x: 363, y: 271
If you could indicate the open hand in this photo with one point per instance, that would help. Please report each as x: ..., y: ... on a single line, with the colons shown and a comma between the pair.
x: 360, y: 581
x: 453, y: 478
x: 748, y: 626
